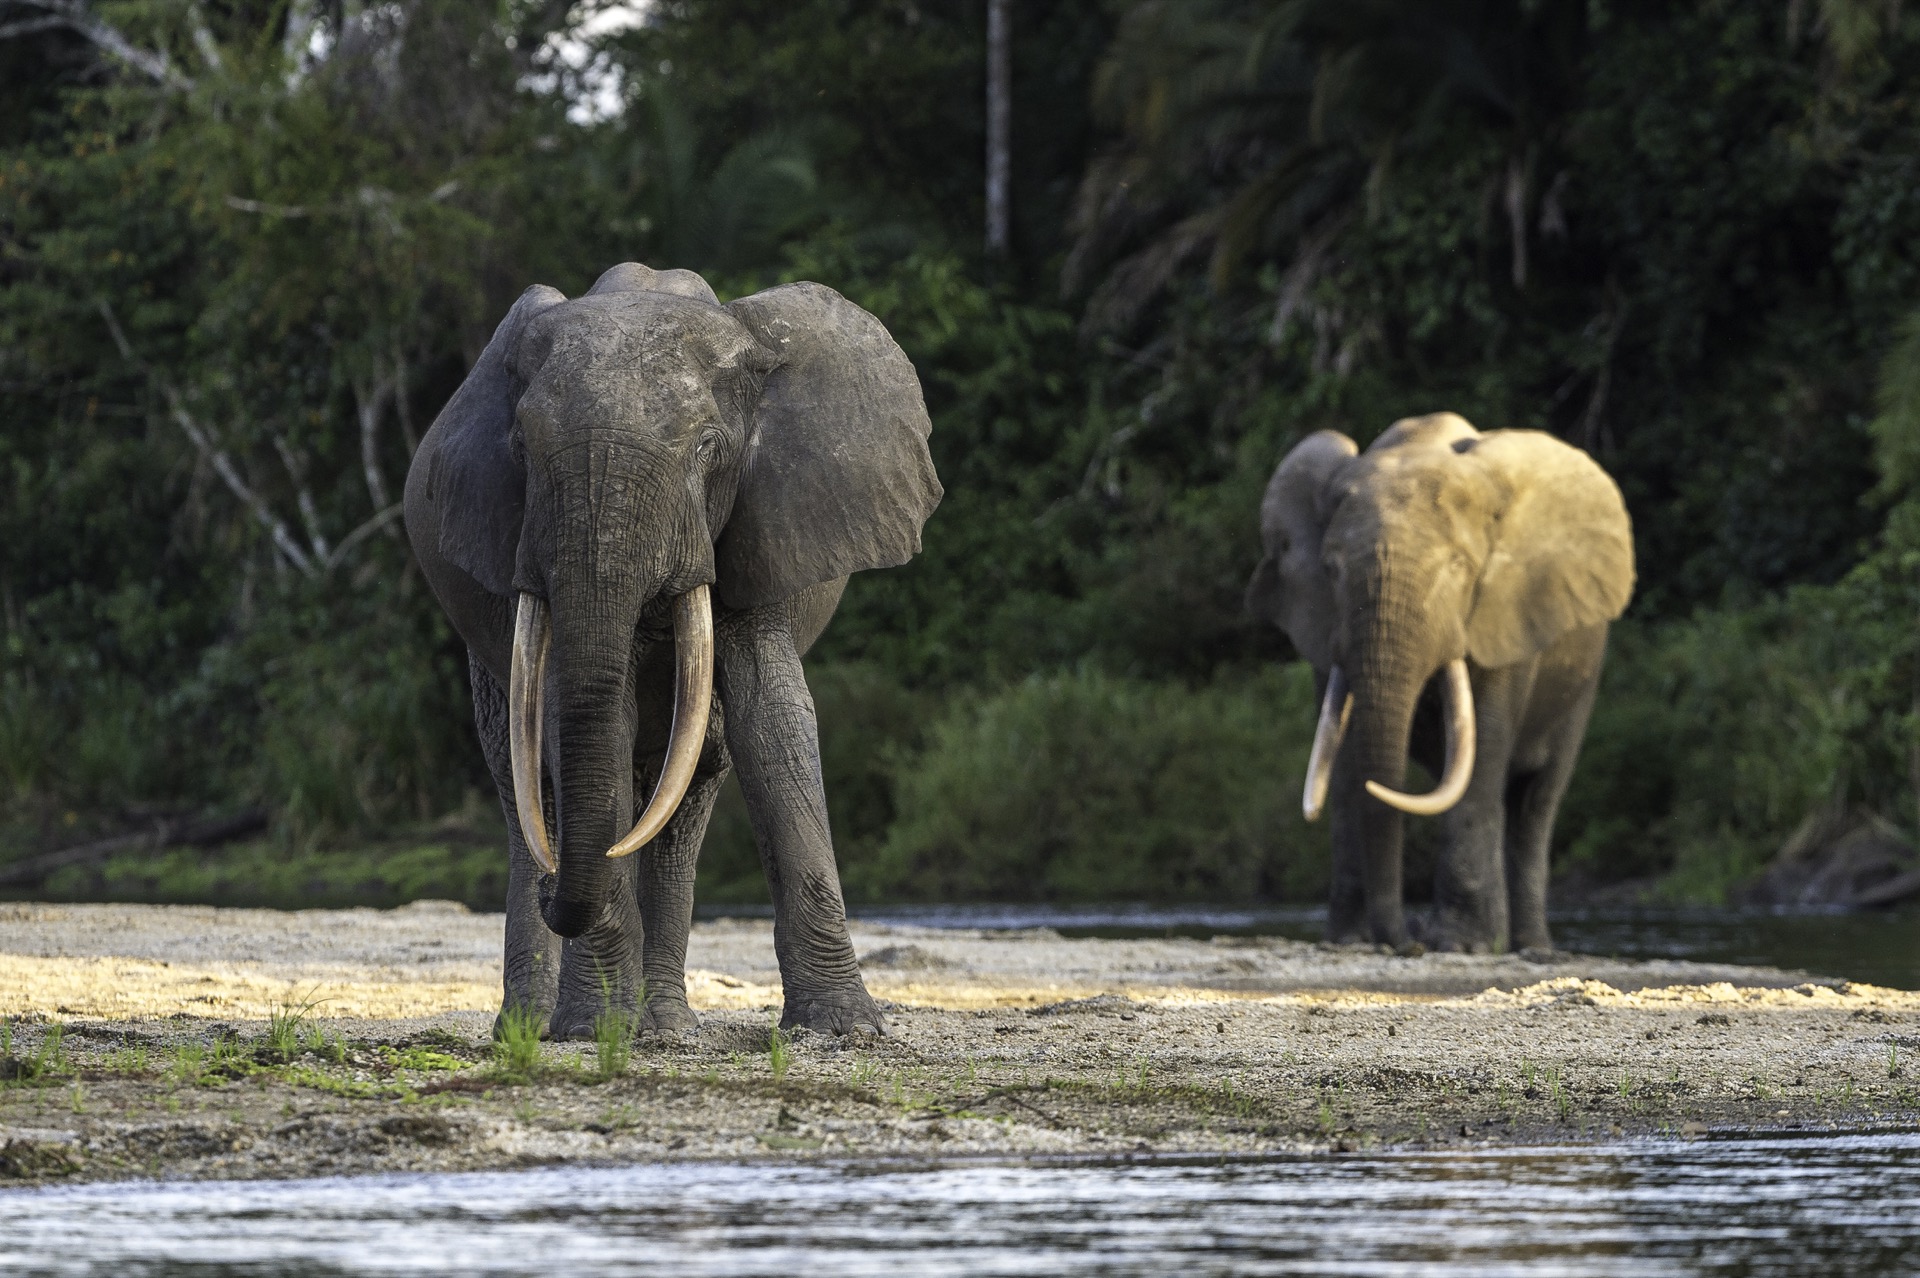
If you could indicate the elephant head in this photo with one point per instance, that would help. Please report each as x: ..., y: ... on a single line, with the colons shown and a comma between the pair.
x: 613, y: 464
x: 1436, y: 547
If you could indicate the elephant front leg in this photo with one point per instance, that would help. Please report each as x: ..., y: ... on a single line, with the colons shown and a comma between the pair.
x: 530, y: 971
x: 1366, y: 904
x: 1469, y: 880
x: 772, y: 736
x: 667, y: 868
x: 600, y: 968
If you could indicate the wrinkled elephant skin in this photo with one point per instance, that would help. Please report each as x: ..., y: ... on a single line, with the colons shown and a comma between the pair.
x: 639, y: 511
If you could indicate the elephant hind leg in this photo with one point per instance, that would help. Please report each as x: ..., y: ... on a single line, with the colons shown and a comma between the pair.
x: 1532, y: 803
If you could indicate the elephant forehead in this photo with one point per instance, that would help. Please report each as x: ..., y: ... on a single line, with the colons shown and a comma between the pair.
x: 637, y: 358
x: 1431, y: 493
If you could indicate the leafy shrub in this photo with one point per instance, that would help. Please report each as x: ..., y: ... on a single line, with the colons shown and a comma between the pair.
x: 867, y: 719
x: 1716, y: 736
x: 1085, y: 785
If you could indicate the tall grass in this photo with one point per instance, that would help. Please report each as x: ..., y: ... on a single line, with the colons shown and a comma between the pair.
x: 516, y: 1044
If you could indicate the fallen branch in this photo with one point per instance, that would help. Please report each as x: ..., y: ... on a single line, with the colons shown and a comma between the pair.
x: 163, y: 834
x: 1894, y: 890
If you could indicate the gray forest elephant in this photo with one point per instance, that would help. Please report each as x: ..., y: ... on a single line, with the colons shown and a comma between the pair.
x: 613, y: 468
x: 1452, y: 591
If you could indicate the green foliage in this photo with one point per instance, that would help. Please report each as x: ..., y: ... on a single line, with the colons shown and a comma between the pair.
x: 779, y: 1051
x: 268, y: 874
x: 236, y: 284
x: 287, y: 1029
x: 1086, y: 785
x: 613, y: 1042
x: 189, y: 1063
x: 48, y: 1058
x: 1896, y: 428
x: 1715, y: 737
x: 516, y: 1044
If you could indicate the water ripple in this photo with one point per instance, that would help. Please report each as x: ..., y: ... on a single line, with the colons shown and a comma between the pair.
x: 1642, y: 1209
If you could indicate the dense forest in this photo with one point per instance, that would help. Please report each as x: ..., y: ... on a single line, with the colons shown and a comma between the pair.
x: 248, y: 248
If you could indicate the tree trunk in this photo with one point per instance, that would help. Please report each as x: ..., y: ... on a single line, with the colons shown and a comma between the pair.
x: 999, y: 123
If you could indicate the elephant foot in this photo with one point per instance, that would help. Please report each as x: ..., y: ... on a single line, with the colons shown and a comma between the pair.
x: 571, y: 1028
x: 1540, y: 942
x: 1457, y: 931
x: 535, y: 1015
x: 668, y: 1016
x: 579, y: 1022
x: 844, y: 1011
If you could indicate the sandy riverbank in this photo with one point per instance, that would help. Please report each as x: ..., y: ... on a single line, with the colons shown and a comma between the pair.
x: 1003, y: 1043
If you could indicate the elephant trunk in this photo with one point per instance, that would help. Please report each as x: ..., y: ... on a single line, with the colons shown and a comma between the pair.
x: 1457, y: 691
x: 609, y: 561
x: 1385, y: 687
x: 594, y: 721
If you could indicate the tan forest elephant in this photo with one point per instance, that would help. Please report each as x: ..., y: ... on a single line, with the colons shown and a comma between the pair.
x: 1452, y: 590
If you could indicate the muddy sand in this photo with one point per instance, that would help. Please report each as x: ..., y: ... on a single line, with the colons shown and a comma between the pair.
x: 141, y: 1041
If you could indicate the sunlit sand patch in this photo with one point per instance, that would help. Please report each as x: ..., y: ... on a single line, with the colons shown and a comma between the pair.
x: 1571, y: 989
x: 131, y: 989
x: 719, y: 992
x: 128, y: 989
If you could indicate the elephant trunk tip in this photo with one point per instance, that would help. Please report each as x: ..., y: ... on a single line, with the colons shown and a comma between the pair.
x: 567, y: 917
x: 1457, y: 689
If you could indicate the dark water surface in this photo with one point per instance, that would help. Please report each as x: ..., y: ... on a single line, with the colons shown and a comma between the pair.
x: 1877, y: 948
x: 1749, y: 1206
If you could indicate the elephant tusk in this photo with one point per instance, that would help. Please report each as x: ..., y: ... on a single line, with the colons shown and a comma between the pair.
x: 692, y: 699
x: 1460, y: 745
x: 1326, y: 743
x: 526, y: 686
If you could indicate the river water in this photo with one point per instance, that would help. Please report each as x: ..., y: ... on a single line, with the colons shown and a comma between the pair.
x: 1750, y: 1206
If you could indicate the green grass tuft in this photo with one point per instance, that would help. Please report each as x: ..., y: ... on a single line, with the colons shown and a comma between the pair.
x: 613, y: 1042
x: 290, y: 1029
x: 516, y: 1045
x: 779, y: 1051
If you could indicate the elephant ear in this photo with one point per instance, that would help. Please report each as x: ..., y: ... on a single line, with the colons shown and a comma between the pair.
x: 1562, y: 553
x: 836, y: 476
x: 477, y: 487
x: 1291, y: 587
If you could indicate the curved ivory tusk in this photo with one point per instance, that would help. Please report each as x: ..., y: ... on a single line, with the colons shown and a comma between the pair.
x: 1326, y: 743
x: 526, y: 686
x: 692, y: 698
x: 1460, y: 743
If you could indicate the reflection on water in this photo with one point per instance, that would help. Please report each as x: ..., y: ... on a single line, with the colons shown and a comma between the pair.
x: 1878, y: 948
x: 1750, y: 1206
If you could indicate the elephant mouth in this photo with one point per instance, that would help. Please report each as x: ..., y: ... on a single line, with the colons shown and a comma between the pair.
x: 1335, y: 709
x: 692, y: 699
